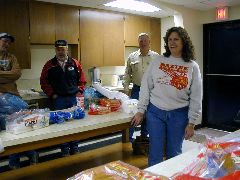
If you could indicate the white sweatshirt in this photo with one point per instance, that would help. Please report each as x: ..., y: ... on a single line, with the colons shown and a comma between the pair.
x: 170, y: 83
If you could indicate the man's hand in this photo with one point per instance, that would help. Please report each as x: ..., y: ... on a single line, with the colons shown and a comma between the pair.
x: 137, y: 119
x: 189, y: 131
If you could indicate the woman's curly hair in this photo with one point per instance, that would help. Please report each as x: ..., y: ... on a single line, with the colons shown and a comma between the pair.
x: 188, y: 49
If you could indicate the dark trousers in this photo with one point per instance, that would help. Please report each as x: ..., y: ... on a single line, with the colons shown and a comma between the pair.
x: 144, y: 132
x: 64, y: 102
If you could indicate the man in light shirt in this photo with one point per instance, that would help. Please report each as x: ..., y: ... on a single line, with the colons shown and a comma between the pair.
x: 137, y: 64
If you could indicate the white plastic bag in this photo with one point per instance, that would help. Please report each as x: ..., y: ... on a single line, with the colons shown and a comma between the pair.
x: 130, y: 106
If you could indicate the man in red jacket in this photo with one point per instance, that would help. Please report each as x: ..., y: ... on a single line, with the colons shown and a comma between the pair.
x: 62, y: 78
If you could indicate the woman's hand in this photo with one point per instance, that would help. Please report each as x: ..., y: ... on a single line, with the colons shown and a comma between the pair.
x: 189, y: 131
x: 137, y: 119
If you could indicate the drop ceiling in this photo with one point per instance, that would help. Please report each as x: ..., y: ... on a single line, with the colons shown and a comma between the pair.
x: 201, y: 5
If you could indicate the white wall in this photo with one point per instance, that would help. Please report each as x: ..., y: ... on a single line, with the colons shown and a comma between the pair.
x: 166, y: 23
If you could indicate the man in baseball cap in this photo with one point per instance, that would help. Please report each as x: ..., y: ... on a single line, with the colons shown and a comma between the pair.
x: 7, y: 36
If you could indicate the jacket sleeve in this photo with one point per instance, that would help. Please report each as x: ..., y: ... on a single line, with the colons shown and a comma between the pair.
x: 12, y: 75
x: 127, y: 79
x: 46, y: 87
x: 82, y: 80
x: 195, y: 105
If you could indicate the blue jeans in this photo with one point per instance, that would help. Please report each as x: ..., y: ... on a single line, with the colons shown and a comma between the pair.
x: 144, y: 132
x: 166, y: 129
x: 64, y: 102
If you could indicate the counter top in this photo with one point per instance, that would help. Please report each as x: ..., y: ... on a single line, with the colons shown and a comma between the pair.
x: 178, y: 163
x: 90, y: 122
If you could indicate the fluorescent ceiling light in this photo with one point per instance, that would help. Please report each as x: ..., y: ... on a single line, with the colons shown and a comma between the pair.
x: 133, y: 5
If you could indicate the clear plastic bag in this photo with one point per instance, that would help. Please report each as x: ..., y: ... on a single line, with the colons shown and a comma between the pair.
x: 217, y: 160
x: 116, y: 170
x: 10, y: 103
x: 27, y: 120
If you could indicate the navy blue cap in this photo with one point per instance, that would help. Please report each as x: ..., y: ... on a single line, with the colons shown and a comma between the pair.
x: 61, y: 43
x: 8, y: 36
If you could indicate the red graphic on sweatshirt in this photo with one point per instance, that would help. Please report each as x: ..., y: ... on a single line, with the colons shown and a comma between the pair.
x: 177, y: 73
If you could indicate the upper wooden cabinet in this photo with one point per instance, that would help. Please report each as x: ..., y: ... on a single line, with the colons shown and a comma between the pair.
x: 102, y: 38
x: 49, y: 22
x: 155, y: 35
x: 14, y: 19
x: 42, y: 23
x: 67, y: 23
x: 134, y: 25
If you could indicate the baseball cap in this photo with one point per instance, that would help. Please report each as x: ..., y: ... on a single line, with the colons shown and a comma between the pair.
x: 6, y: 35
x: 61, y: 43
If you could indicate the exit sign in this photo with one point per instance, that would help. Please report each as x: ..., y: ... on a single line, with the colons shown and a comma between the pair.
x: 222, y: 13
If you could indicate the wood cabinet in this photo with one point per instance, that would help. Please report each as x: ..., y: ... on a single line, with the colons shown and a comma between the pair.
x: 67, y: 23
x: 49, y: 22
x: 42, y: 23
x: 102, y: 38
x: 134, y: 25
x: 14, y: 19
x: 155, y: 34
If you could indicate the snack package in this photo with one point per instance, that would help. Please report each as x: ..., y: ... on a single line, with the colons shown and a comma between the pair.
x: 27, y: 120
x: 116, y: 170
x: 95, y: 109
x: 217, y: 160
x: 114, y: 104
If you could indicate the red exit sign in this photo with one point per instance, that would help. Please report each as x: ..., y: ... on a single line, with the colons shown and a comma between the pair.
x: 222, y: 13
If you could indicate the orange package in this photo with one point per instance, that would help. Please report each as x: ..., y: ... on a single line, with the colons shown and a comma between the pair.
x: 116, y: 170
x: 114, y: 104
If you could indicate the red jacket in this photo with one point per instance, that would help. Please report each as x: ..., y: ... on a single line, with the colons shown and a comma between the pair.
x: 55, y: 80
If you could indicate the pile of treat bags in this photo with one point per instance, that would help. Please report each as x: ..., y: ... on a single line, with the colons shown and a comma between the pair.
x: 116, y: 170
x: 218, y: 160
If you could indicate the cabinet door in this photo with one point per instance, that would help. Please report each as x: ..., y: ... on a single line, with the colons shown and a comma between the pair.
x: 134, y: 25
x: 155, y: 34
x: 67, y: 23
x: 14, y: 20
x: 113, y: 47
x: 42, y: 23
x: 91, y: 38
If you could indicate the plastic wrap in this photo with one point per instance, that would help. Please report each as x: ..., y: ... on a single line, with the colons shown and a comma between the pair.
x: 66, y: 114
x: 96, y: 109
x: 110, y: 94
x: 10, y: 103
x: 27, y: 120
x: 114, y: 104
x: 217, y: 160
x: 116, y: 170
x: 130, y: 106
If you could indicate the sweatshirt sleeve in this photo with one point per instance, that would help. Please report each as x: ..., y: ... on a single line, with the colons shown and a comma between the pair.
x: 195, y: 104
x: 145, y: 89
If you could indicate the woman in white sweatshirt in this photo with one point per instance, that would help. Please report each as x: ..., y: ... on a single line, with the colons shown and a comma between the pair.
x: 171, y: 95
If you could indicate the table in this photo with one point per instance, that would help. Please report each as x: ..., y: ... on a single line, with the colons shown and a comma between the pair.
x: 178, y: 163
x: 90, y: 126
